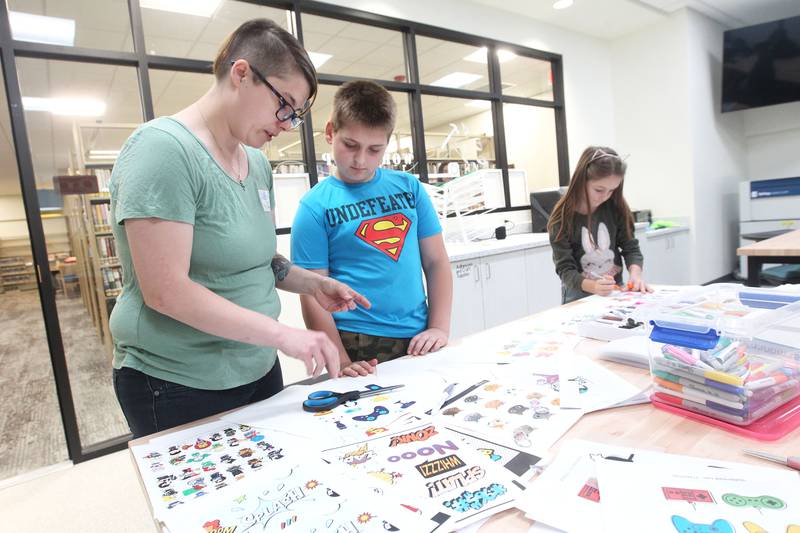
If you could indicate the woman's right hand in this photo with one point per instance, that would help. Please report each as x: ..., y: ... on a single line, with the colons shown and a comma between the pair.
x: 314, y: 348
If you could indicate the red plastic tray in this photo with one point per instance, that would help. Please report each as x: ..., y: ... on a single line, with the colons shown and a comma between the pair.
x: 772, y: 426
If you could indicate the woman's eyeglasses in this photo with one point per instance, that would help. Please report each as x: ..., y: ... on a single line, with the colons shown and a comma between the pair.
x: 285, y: 110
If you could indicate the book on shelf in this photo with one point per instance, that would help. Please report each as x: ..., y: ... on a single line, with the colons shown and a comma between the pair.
x: 106, y: 247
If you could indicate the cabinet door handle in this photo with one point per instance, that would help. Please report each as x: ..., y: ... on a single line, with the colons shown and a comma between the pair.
x: 488, y: 271
x: 477, y: 270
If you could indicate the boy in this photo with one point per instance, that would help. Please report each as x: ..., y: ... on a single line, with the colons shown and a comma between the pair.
x: 376, y: 230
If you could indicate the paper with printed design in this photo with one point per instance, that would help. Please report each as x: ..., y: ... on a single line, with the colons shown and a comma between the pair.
x: 684, y: 498
x: 428, y: 468
x: 307, y: 497
x: 351, y: 421
x: 177, y: 469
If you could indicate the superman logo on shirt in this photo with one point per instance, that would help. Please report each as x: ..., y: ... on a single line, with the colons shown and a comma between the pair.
x: 386, y: 233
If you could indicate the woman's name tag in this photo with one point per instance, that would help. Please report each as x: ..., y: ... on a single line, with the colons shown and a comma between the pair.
x: 263, y: 195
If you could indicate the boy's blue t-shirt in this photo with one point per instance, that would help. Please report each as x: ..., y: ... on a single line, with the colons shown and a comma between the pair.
x: 367, y: 236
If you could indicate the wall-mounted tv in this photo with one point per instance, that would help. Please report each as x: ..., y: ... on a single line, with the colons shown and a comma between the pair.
x: 761, y: 65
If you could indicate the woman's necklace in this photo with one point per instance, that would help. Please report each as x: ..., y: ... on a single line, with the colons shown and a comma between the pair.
x: 238, y: 169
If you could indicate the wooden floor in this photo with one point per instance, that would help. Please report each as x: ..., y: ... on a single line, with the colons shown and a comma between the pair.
x: 30, y: 420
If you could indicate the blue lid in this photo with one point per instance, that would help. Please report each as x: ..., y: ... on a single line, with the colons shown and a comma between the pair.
x: 697, y: 338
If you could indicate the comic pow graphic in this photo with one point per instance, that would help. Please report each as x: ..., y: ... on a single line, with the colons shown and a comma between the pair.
x: 387, y: 233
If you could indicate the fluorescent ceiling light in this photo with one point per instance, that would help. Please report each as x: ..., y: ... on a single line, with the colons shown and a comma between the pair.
x: 41, y: 29
x: 482, y: 104
x: 319, y: 58
x: 479, y: 56
x: 456, y: 79
x: 75, y: 107
x: 200, y: 8
x: 103, y: 153
x: 562, y: 4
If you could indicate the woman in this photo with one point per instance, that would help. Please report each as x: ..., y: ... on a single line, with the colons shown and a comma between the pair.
x: 195, y: 330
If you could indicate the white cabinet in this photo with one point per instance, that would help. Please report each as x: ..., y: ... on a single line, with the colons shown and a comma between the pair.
x: 666, y: 258
x: 487, y: 292
x: 467, y: 314
x: 504, y: 288
x: 544, y: 286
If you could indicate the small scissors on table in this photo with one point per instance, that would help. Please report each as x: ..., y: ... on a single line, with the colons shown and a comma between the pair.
x: 324, y: 400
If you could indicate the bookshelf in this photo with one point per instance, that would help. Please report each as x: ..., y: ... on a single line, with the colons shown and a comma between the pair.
x: 98, y: 266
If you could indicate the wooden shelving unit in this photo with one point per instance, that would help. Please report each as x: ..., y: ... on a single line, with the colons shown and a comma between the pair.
x: 98, y: 267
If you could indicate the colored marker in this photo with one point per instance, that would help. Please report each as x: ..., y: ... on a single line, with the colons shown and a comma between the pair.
x: 773, y: 379
x: 714, y: 375
x: 665, y: 365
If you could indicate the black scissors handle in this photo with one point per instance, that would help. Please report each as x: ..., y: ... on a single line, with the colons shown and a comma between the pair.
x: 325, y: 400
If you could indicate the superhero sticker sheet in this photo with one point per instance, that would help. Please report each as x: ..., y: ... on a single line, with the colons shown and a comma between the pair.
x: 428, y: 468
x: 180, y: 468
x: 692, y: 499
x: 352, y: 420
x: 297, y: 497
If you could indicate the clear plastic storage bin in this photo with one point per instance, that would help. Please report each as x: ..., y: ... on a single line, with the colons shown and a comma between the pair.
x: 725, y: 351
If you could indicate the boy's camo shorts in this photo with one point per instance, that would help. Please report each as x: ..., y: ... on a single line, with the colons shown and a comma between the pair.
x: 363, y: 347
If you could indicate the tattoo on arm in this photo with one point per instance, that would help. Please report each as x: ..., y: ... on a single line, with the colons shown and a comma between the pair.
x: 281, y: 267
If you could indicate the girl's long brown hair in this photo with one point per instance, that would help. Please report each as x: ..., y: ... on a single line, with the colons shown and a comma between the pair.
x: 596, y: 162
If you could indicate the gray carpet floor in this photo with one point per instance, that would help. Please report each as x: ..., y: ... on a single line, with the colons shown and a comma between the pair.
x: 30, y: 421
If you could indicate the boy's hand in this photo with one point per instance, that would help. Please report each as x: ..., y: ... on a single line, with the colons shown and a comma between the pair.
x: 430, y: 340
x: 334, y: 296
x: 358, y: 368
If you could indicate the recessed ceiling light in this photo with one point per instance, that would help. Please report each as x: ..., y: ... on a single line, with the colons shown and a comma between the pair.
x: 562, y: 4
x: 40, y: 29
x: 319, y: 58
x: 456, y: 79
x: 75, y: 107
x: 200, y: 8
x: 479, y: 56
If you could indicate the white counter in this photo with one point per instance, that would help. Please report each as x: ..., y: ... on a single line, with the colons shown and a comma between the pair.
x: 524, y: 241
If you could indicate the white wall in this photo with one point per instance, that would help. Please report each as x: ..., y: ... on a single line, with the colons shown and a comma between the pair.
x: 773, y: 137
x: 587, y: 73
x: 718, y: 146
x: 649, y: 70
x: 687, y: 158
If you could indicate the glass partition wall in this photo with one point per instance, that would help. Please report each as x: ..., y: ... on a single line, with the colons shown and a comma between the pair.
x: 81, y: 79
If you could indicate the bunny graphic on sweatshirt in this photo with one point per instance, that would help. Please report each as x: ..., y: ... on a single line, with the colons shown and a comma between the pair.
x: 597, y: 260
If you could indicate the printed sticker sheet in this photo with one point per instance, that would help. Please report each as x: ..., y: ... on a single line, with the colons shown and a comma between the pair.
x: 427, y: 467
x: 521, y: 412
x: 353, y: 420
x: 297, y: 497
x: 180, y: 468
x: 694, y: 498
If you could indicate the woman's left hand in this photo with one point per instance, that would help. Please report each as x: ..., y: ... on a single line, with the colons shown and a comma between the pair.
x: 334, y: 296
x: 430, y: 340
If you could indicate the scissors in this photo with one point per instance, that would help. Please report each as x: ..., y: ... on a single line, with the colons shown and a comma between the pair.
x: 792, y: 461
x: 324, y: 400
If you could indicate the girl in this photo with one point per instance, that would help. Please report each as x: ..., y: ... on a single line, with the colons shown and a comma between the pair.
x: 591, y: 229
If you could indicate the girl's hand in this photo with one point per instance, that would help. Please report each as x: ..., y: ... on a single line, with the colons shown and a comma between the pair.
x: 602, y: 286
x: 636, y: 283
x: 430, y: 340
x: 358, y: 368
